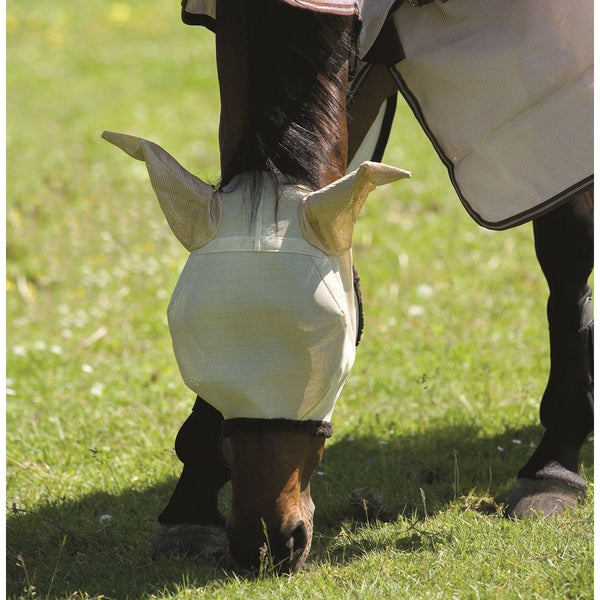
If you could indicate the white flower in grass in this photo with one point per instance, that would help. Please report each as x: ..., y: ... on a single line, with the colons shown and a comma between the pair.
x: 19, y: 350
x: 40, y: 345
x: 416, y: 311
x: 97, y: 389
x: 87, y: 368
x: 10, y: 392
x: 500, y: 448
x: 56, y: 349
x: 105, y: 518
x: 425, y: 291
x: 516, y: 441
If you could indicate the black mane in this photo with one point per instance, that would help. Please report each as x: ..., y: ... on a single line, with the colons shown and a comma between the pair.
x: 295, y: 78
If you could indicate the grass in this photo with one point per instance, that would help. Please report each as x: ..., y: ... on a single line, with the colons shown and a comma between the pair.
x: 437, y: 417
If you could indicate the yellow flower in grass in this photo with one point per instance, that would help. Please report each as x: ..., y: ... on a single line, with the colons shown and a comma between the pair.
x: 16, y: 216
x: 55, y: 36
x: 12, y: 23
x: 119, y: 13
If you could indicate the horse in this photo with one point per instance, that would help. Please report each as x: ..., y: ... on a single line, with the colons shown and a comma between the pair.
x: 562, y: 226
x: 285, y: 71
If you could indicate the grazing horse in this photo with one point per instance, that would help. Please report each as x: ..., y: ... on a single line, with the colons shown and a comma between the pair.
x: 267, y: 310
x: 265, y: 316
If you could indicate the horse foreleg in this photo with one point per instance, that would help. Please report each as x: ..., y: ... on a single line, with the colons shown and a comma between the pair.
x: 549, y: 481
x: 191, y: 523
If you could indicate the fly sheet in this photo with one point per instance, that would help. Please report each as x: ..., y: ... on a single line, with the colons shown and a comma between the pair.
x: 504, y: 91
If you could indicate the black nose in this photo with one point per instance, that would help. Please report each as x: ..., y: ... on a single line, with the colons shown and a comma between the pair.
x: 282, y: 552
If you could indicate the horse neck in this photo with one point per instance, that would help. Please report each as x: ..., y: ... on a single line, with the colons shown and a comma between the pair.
x: 283, y: 76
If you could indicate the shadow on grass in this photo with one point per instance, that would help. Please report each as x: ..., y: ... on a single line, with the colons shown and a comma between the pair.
x: 421, y: 472
x: 96, y: 546
x: 414, y: 477
x: 99, y: 545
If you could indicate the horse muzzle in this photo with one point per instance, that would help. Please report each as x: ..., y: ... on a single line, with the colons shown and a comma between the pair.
x: 270, y: 549
x: 270, y: 527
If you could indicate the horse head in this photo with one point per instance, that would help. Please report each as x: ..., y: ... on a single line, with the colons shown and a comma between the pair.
x: 264, y: 317
x: 264, y: 321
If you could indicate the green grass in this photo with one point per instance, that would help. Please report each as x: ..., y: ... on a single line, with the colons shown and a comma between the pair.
x: 438, y: 415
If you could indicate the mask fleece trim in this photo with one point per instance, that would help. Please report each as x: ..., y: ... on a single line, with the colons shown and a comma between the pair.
x: 318, y: 428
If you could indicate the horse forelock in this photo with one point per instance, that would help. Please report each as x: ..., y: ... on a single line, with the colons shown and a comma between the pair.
x: 290, y: 85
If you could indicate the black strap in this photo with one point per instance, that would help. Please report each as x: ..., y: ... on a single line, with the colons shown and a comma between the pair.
x: 318, y: 428
x: 387, y: 48
x: 420, y: 3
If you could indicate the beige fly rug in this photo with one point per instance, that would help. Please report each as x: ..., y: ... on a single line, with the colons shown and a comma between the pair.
x: 504, y: 91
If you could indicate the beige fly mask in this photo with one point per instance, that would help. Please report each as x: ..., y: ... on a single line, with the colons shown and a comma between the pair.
x: 264, y: 315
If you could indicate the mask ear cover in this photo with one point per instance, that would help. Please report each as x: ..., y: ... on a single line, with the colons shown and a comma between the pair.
x: 328, y: 215
x: 190, y: 205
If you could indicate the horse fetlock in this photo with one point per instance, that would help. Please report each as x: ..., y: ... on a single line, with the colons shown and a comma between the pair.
x: 190, y: 540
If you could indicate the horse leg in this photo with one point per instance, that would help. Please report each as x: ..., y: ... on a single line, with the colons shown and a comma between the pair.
x: 191, y: 523
x: 549, y: 481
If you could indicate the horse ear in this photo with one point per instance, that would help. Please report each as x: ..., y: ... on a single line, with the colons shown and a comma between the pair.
x: 192, y: 209
x: 329, y: 214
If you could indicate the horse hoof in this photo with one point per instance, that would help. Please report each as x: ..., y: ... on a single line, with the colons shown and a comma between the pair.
x: 188, y: 540
x: 532, y: 497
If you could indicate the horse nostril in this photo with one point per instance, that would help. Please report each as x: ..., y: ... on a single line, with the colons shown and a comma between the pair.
x: 298, y: 539
x: 283, y: 548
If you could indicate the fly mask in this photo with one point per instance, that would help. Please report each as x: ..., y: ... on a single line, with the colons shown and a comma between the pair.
x: 264, y: 316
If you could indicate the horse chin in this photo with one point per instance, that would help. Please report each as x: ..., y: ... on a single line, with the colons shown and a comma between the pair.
x: 270, y: 527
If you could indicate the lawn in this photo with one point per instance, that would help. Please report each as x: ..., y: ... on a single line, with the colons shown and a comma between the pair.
x: 440, y: 410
